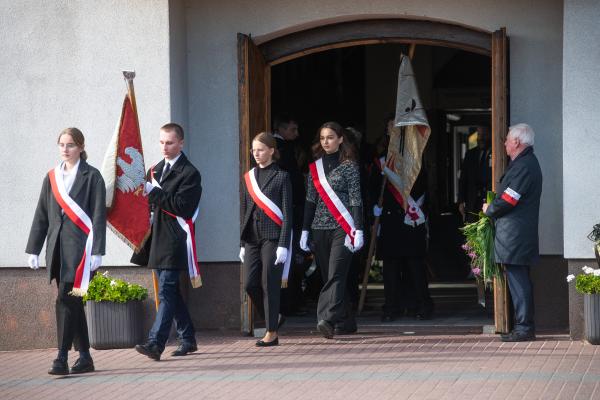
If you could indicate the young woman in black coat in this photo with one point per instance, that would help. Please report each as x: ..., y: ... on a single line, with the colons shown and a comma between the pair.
x: 67, y: 242
x: 266, y: 233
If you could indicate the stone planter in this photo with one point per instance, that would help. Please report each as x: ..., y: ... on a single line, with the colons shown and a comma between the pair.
x: 591, y: 316
x: 114, y: 325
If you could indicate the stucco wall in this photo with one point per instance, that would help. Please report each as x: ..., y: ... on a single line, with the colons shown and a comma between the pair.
x: 581, y: 119
x: 535, y: 30
x: 61, y: 66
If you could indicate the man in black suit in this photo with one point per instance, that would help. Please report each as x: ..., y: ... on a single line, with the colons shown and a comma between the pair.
x: 475, y: 176
x: 175, y: 192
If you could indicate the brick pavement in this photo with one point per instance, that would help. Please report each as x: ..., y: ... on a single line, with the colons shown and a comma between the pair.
x: 372, y: 365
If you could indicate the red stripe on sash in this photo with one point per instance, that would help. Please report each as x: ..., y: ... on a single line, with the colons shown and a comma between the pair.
x: 63, y: 204
x: 76, y: 220
x: 329, y: 203
x: 259, y: 202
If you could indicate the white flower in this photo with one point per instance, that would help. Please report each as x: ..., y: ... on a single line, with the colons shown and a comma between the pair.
x: 596, y: 272
x: 113, y: 282
x: 588, y: 270
x: 570, y: 277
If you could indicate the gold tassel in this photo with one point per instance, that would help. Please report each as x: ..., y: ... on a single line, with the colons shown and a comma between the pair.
x: 196, y: 282
x: 78, y: 292
x: 284, y: 283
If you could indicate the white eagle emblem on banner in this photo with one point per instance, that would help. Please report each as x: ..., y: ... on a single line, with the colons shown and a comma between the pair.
x: 133, y: 173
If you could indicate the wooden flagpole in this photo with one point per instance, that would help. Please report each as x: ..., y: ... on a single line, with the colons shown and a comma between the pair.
x: 375, y: 227
x: 129, y: 76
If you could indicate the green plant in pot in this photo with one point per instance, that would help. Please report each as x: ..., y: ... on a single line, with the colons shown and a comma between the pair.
x: 114, y: 312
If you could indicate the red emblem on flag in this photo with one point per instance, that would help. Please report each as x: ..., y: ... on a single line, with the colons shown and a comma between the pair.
x: 124, y: 174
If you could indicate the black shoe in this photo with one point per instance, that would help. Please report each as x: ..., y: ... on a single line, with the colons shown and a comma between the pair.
x: 184, y: 349
x: 262, y: 343
x: 59, y: 367
x: 149, y: 350
x: 280, y: 321
x: 342, y: 330
x: 326, y: 329
x: 82, y: 365
x: 518, y: 337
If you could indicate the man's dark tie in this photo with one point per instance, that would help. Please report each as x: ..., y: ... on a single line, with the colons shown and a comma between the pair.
x: 165, y: 172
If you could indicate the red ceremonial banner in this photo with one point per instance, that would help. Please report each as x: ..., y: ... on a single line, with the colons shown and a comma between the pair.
x: 124, y: 174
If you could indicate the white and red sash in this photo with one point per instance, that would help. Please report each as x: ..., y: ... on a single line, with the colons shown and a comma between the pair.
x: 83, y: 222
x: 331, y: 199
x: 188, y: 227
x: 273, y: 212
x: 395, y: 193
x: 414, y: 215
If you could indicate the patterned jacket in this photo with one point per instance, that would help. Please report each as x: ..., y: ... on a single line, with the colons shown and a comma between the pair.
x: 516, y: 211
x: 278, y: 188
x: 345, y: 182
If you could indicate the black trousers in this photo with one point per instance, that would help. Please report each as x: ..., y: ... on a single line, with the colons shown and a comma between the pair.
x: 334, y: 259
x: 405, y: 286
x: 262, y: 279
x: 71, y: 324
x: 521, y: 293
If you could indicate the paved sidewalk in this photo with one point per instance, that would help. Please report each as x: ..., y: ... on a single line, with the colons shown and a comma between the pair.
x: 372, y: 365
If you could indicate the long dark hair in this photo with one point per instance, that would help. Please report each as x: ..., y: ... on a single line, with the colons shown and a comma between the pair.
x: 347, y: 151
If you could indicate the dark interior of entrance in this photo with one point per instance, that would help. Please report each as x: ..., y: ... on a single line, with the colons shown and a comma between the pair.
x: 356, y: 86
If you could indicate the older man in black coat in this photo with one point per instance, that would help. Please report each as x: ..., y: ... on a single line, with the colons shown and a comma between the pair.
x: 178, y: 194
x: 516, y: 213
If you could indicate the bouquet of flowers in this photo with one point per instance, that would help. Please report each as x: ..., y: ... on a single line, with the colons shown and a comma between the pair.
x: 480, y: 246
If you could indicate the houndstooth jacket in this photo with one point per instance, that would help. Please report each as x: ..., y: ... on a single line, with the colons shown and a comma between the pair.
x: 278, y: 188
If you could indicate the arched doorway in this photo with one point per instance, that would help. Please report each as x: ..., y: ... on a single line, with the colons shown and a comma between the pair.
x: 254, y: 81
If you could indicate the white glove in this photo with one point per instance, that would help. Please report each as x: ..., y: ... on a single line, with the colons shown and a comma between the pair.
x: 348, y: 243
x: 281, y: 255
x: 359, y: 240
x: 242, y: 253
x: 148, y: 187
x: 96, y: 262
x: 377, y: 210
x: 34, y: 261
x: 304, y: 241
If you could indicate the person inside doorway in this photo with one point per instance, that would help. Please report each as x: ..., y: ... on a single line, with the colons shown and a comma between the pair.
x: 475, y: 176
x: 286, y: 133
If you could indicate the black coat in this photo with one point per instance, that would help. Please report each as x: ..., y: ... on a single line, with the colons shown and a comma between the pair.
x: 180, y: 195
x: 278, y: 188
x: 516, y: 240
x: 288, y: 162
x: 66, y: 241
x: 475, y: 179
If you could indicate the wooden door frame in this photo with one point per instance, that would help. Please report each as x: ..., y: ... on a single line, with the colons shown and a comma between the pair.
x: 393, y: 30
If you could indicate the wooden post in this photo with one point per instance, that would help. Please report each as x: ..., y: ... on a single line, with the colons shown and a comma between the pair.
x: 499, y: 126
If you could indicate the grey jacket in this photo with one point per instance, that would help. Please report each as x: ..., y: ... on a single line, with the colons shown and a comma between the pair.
x: 66, y: 241
x: 516, y: 211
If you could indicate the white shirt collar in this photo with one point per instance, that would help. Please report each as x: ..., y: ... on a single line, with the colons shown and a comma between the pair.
x: 173, y: 161
x: 277, y: 135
